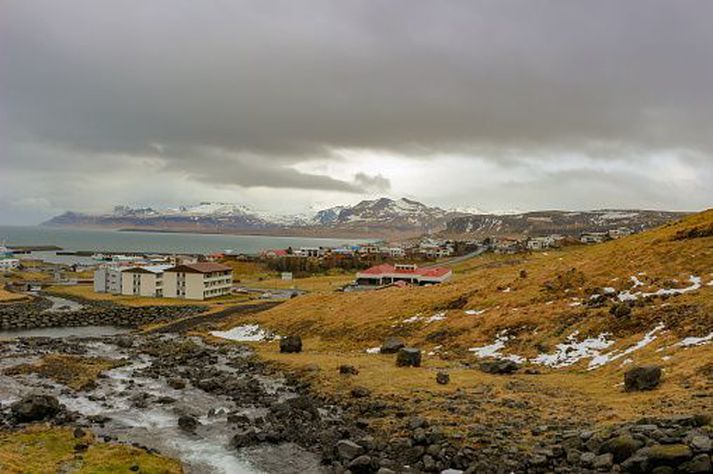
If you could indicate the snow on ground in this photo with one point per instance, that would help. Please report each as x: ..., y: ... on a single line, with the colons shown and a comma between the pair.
x: 474, y: 312
x: 440, y: 316
x: 629, y: 296
x: 244, y: 333
x: 493, y: 350
x: 572, y: 351
x: 373, y: 350
x: 695, y: 341
x: 603, y: 359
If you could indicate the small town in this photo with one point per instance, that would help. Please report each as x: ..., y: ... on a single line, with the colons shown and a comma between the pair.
x: 356, y: 237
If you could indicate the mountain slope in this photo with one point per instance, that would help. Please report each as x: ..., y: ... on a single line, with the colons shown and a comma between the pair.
x: 538, y: 309
x: 543, y: 223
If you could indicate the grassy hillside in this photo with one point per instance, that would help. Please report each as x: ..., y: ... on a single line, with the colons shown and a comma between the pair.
x: 537, y: 301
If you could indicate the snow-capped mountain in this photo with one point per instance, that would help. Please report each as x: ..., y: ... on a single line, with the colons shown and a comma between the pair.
x: 377, y: 216
x: 400, y: 213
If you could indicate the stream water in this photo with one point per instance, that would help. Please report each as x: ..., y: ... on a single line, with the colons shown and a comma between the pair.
x: 156, y: 425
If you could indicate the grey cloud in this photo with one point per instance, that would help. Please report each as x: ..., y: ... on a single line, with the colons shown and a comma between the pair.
x: 238, y: 93
x: 376, y: 183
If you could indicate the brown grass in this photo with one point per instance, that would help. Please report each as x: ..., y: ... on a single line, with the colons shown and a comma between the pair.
x: 538, y: 314
x: 75, y: 372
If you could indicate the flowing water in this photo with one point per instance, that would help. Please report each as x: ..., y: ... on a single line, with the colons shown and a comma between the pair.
x: 156, y: 426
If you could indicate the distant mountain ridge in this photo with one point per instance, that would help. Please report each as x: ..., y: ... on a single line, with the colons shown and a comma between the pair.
x: 383, y: 217
x: 378, y: 216
x: 542, y: 223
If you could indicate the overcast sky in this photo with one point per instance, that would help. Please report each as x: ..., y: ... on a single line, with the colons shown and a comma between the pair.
x: 288, y: 105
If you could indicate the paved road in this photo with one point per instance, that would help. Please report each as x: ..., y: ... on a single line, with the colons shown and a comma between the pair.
x: 462, y: 258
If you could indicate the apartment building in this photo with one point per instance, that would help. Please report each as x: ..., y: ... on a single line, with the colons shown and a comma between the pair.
x: 197, y: 281
x: 144, y: 281
x: 107, y: 278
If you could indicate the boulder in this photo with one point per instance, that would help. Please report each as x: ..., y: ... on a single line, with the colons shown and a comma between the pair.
x: 699, y: 464
x: 35, y: 408
x: 443, y: 378
x: 392, y: 345
x: 348, y: 370
x: 360, y: 392
x: 291, y: 344
x: 499, y: 366
x: 646, y: 377
x: 669, y: 454
x: 188, y: 423
x: 408, y: 357
x: 621, y: 447
x: 348, y: 450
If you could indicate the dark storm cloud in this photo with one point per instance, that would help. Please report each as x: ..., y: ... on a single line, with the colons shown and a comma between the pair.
x: 270, y: 84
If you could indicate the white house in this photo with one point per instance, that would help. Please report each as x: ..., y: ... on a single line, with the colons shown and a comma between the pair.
x: 593, y: 237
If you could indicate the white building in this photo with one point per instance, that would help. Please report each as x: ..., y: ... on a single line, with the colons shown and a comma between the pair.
x: 7, y: 259
x: 593, y: 237
x: 198, y: 281
x: 107, y: 279
x: 143, y: 281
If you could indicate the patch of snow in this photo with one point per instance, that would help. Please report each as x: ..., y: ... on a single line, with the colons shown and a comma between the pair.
x: 474, y: 312
x: 665, y: 358
x: 493, y: 350
x: 629, y: 296
x: 572, y: 351
x: 244, y: 333
x: 440, y: 316
x: 507, y: 290
x: 373, y: 350
x: 603, y: 359
x: 695, y: 341
x: 575, y: 304
x: 412, y: 319
x: 609, y: 290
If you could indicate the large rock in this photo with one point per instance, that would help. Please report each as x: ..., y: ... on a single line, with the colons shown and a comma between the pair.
x: 35, y: 408
x: 621, y: 447
x: 188, y: 423
x: 348, y: 450
x: 499, y: 366
x: 646, y: 377
x: 392, y: 345
x: 291, y: 344
x: 408, y: 357
x: 443, y: 378
x: 669, y: 454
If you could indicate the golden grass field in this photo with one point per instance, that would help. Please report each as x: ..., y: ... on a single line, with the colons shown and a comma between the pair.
x: 535, y: 306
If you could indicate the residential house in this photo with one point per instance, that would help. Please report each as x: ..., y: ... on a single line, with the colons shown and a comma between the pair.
x: 387, y: 274
x: 198, y: 281
x: 593, y: 237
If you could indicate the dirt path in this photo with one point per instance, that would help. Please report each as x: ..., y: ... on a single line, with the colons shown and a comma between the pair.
x: 192, y: 322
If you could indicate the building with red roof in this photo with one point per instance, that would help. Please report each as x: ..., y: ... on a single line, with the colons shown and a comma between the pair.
x: 386, y: 274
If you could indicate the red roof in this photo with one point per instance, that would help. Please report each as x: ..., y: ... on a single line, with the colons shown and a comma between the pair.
x: 276, y: 252
x: 386, y: 268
